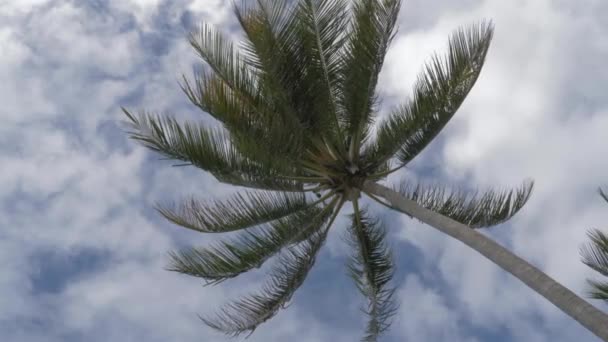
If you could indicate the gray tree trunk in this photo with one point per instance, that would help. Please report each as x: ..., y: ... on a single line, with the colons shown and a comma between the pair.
x: 590, y: 317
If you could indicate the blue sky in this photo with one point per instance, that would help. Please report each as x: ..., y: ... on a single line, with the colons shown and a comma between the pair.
x: 82, y: 252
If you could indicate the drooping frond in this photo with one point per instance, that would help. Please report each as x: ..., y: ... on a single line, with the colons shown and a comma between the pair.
x: 207, y: 149
x: 595, y: 255
x: 228, y: 259
x: 371, y: 266
x: 240, y: 211
x: 372, y: 28
x: 248, y: 313
x: 438, y: 93
x: 473, y: 209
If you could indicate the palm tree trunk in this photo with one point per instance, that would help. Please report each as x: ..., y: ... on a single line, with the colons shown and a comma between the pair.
x: 590, y: 317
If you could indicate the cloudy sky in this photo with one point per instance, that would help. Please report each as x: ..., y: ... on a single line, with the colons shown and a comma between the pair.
x: 82, y: 253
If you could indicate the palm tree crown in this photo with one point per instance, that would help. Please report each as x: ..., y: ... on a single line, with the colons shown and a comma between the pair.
x: 595, y: 255
x: 298, y: 104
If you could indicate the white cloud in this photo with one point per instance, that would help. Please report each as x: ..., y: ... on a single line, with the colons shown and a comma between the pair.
x: 425, y: 316
x: 11, y: 8
x: 526, y: 117
x: 67, y: 184
x: 215, y: 11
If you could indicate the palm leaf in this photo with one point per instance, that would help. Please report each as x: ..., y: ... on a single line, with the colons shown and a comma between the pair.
x: 321, y: 30
x: 599, y: 289
x: 372, y: 269
x: 241, y: 211
x: 475, y: 210
x: 595, y: 255
x: 372, y: 28
x: 228, y: 67
x: 207, y: 149
x: 252, y: 133
x: 269, y: 28
x: 279, y: 45
x: 228, y: 259
x: 232, y: 94
x: 438, y: 93
x: 248, y: 313
x: 603, y: 194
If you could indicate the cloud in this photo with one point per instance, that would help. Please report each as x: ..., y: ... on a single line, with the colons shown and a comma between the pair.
x: 425, y: 315
x: 526, y: 117
x: 75, y: 191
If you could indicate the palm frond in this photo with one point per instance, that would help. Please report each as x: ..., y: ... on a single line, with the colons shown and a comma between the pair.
x: 595, y: 255
x: 249, y: 128
x: 599, y: 289
x: 248, y: 313
x: 372, y: 28
x: 438, y: 93
x: 372, y: 269
x: 473, y: 209
x: 232, y: 94
x: 207, y: 149
x: 285, y: 52
x: 321, y: 30
x: 240, y: 211
x: 269, y: 28
x: 603, y: 194
x: 267, y: 25
x: 228, y: 67
x: 228, y: 259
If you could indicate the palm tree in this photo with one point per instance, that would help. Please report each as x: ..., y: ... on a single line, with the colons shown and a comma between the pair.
x: 297, y: 103
x: 595, y: 255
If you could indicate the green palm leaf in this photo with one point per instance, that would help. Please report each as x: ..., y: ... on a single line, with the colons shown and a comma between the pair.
x: 232, y: 94
x: 229, y: 69
x: 595, y: 255
x: 292, y: 50
x: 373, y: 27
x: 269, y: 49
x: 248, y: 313
x: 438, y: 93
x: 228, y: 259
x: 240, y: 211
x: 321, y: 27
x: 252, y: 133
x: 472, y: 209
x: 207, y: 149
x: 372, y: 269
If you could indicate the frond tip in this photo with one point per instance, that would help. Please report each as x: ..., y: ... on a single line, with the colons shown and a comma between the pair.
x: 246, y: 314
x: 372, y: 269
x: 603, y: 194
x: 241, y: 211
x: 475, y: 210
x: 439, y: 92
x: 595, y: 255
x: 208, y: 149
x: 228, y: 259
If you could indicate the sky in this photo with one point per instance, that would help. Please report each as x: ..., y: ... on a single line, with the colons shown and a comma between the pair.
x: 83, y: 252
